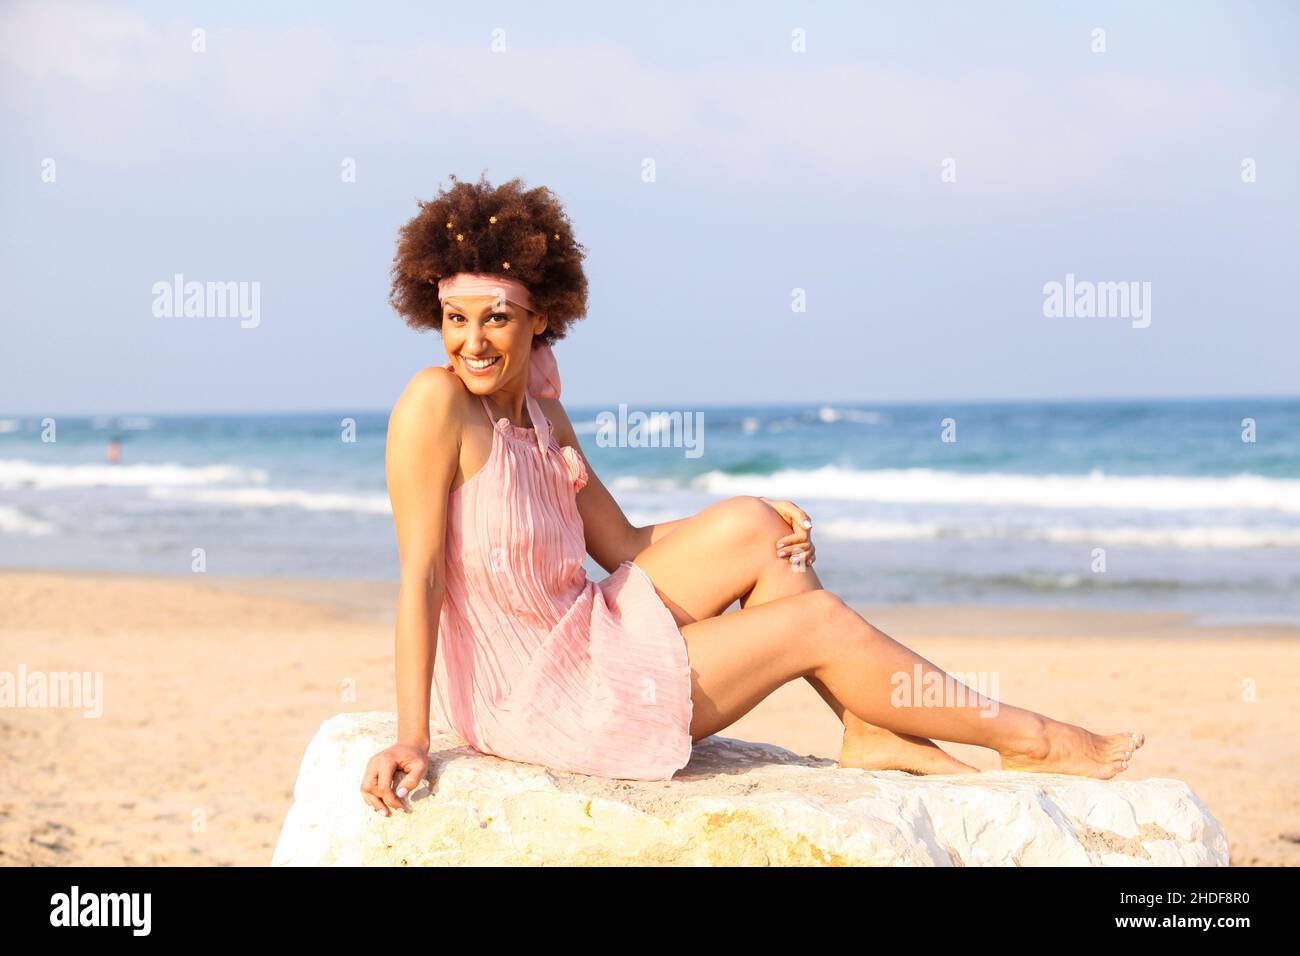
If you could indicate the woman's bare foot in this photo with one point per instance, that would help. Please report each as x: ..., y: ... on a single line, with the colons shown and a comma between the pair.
x: 1059, y: 747
x: 875, y: 748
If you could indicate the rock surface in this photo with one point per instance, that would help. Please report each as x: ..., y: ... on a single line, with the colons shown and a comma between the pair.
x: 735, y: 803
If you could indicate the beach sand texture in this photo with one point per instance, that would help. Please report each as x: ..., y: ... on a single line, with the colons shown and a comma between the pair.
x: 212, y: 688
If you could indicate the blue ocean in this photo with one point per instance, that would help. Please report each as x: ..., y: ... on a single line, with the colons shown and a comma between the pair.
x: 1169, y: 505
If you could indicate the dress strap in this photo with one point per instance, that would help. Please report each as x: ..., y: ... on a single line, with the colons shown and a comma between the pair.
x: 541, y: 424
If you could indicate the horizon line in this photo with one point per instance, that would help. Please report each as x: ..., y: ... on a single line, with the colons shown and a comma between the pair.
x: 697, y: 405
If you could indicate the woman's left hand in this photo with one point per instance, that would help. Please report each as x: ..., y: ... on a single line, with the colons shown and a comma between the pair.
x: 800, y: 542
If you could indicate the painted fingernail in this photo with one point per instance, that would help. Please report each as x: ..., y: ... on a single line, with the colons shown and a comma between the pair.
x: 401, y: 792
x: 780, y: 554
x: 807, y: 523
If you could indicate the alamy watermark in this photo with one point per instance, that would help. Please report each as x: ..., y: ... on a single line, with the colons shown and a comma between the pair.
x: 1102, y: 300
x: 83, y: 690
x: 208, y: 300
x: 939, y: 689
x: 75, y: 908
x: 651, y: 430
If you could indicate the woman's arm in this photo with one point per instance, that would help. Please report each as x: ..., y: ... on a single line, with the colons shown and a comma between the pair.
x: 611, y: 539
x: 422, y: 456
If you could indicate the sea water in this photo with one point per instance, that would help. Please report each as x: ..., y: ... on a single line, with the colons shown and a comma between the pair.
x: 1178, y: 505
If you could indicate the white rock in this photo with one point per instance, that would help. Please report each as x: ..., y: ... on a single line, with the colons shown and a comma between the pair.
x: 735, y: 803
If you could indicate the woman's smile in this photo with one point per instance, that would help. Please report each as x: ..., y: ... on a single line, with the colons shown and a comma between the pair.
x: 481, y: 366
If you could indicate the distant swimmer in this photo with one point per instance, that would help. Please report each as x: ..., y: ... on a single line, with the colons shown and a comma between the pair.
x: 114, y: 451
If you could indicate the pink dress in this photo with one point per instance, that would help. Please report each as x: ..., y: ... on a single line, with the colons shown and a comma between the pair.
x: 535, y: 662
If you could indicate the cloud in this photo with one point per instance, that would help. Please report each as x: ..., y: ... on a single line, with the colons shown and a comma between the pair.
x: 117, y: 81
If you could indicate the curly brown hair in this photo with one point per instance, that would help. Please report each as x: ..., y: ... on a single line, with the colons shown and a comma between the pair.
x: 473, y: 227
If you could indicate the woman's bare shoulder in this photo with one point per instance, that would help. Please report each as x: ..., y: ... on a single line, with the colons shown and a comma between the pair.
x: 434, y: 397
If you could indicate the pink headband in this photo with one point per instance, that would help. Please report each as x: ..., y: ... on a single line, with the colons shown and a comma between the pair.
x: 478, y: 283
x: 543, y: 373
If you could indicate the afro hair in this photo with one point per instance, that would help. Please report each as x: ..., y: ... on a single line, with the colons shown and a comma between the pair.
x: 509, y: 231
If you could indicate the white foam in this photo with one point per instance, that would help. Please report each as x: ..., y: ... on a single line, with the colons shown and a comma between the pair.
x: 1242, y: 492
x: 830, y: 414
x: 635, y: 483
x: 16, y: 473
x: 1192, y: 538
x: 278, y: 498
x: 1196, y: 538
x: 13, y: 521
x: 863, y: 530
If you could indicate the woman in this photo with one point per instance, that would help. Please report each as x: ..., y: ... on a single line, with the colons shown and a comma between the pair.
x: 495, y: 507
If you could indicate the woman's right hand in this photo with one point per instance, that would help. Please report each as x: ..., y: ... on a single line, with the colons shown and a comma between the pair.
x: 377, y: 783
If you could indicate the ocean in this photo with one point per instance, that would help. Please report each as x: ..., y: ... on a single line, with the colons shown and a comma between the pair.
x: 1165, y: 505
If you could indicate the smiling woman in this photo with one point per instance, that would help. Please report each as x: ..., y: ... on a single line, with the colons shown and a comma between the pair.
x: 502, y: 638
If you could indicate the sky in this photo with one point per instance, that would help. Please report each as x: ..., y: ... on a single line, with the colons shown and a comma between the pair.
x: 914, y: 174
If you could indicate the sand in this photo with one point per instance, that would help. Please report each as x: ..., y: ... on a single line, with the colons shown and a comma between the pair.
x: 212, y: 688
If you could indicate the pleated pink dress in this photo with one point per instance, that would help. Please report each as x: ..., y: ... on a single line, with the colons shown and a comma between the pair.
x: 534, y: 661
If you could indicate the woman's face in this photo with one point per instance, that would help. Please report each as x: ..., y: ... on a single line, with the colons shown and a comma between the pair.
x: 488, y: 340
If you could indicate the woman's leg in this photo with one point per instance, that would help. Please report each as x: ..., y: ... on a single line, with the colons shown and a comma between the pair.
x: 863, y: 745
x: 727, y: 552
x: 738, y: 659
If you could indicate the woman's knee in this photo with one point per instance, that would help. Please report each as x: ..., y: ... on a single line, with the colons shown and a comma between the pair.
x: 746, y: 518
x: 826, y: 607
x: 825, y: 624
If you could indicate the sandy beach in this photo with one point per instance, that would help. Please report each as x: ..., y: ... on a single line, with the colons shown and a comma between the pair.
x: 212, y: 688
